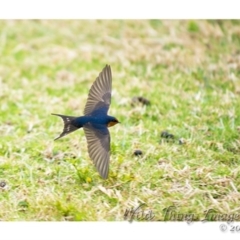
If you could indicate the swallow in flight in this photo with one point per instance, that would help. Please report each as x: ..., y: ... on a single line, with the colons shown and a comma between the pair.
x: 95, y: 121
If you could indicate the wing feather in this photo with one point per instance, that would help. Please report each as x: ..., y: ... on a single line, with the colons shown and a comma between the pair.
x: 98, y: 140
x: 99, y: 97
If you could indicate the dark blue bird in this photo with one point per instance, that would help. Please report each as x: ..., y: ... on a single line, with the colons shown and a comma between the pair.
x: 95, y: 121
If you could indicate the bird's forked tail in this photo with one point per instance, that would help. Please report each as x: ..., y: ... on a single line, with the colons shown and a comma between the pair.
x: 68, y: 126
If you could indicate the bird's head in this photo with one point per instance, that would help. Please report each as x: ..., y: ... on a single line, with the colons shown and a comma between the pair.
x: 113, y: 121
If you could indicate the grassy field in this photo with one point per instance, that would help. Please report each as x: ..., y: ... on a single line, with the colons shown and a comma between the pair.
x: 188, y: 70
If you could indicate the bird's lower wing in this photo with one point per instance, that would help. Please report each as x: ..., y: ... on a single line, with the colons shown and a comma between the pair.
x: 98, y: 140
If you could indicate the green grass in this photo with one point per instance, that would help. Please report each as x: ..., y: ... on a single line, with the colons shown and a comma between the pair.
x: 189, y: 72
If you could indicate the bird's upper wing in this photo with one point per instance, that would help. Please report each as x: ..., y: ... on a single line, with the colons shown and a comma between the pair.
x: 98, y: 141
x: 99, y: 97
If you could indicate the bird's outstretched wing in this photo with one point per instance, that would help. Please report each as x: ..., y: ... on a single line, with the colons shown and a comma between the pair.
x: 98, y: 141
x: 99, y: 97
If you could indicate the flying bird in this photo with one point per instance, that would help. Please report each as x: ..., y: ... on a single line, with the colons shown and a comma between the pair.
x: 95, y: 121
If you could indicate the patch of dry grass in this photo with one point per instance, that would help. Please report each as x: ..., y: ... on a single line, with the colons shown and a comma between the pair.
x: 189, y: 72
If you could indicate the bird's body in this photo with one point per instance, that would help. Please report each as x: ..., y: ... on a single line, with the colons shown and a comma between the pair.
x: 79, y: 122
x: 101, y: 120
x: 95, y: 122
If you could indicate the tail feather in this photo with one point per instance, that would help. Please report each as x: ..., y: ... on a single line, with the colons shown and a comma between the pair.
x: 68, y: 127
